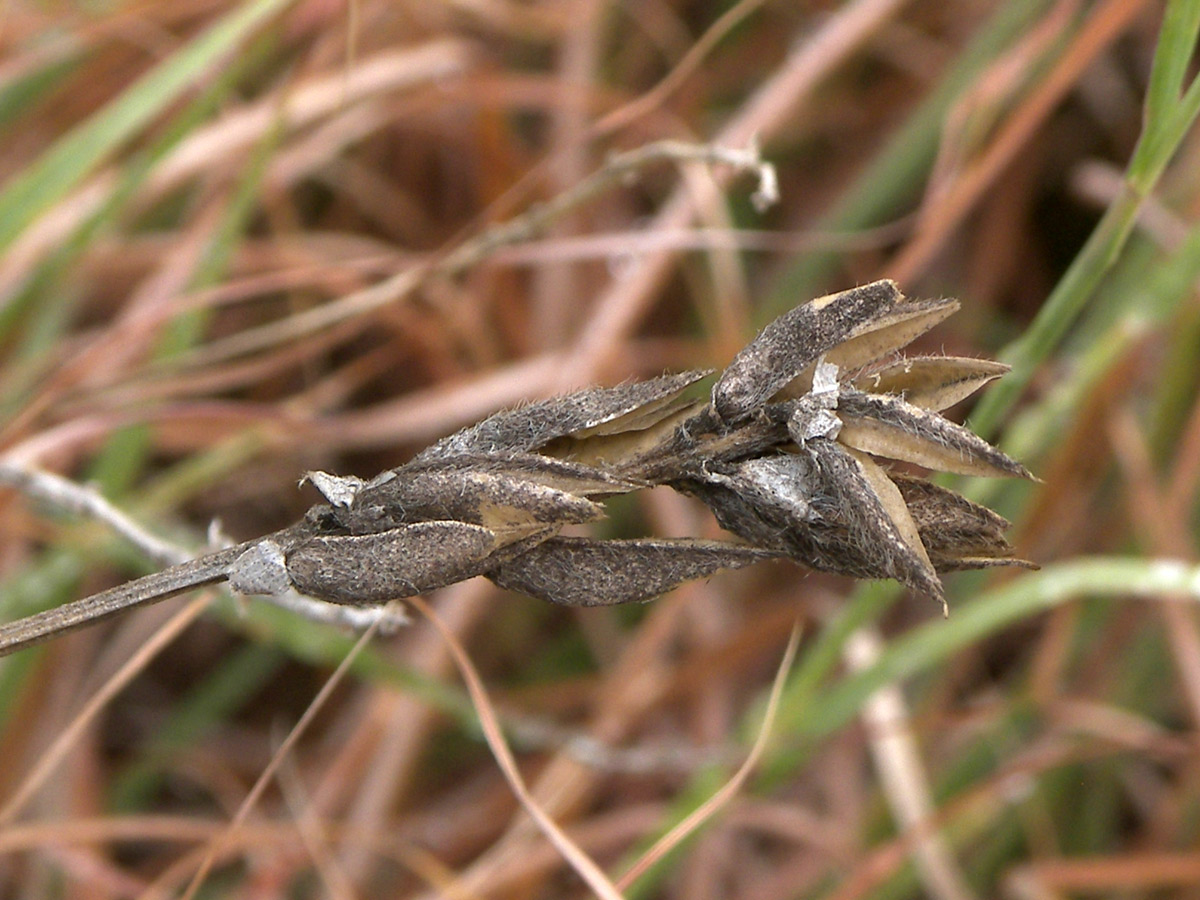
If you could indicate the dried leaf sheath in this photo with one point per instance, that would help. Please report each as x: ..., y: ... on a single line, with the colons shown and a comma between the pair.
x: 789, y: 452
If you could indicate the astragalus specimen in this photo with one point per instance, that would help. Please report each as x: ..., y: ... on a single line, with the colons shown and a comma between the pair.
x: 789, y: 451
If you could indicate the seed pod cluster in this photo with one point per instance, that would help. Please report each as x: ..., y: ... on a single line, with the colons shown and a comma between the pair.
x: 790, y: 452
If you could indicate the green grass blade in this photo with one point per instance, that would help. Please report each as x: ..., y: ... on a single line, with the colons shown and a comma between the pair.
x: 1160, y: 139
x: 921, y: 649
x: 899, y: 172
x: 78, y: 153
x: 1177, y: 43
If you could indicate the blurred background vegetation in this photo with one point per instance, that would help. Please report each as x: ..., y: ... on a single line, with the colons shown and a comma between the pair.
x: 231, y: 251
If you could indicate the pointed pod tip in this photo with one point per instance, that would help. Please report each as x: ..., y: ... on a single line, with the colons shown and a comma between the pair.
x: 1015, y: 469
x: 929, y: 585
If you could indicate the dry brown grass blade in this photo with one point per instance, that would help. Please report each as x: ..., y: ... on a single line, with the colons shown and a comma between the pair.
x: 1001, y: 788
x: 636, y: 681
x: 782, y: 96
x: 1102, y: 874
x: 684, y: 69
x: 190, y: 830
x: 231, y: 136
x: 1104, y: 25
x: 216, y: 848
x: 1185, y: 477
x: 53, y: 757
x: 179, y: 427
x: 316, y: 839
x: 395, y: 730
x: 583, y: 865
x: 423, y: 415
x: 1167, y: 537
x: 470, y: 253
x: 117, y: 347
x: 593, y: 247
x: 903, y: 775
x: 710, y: 807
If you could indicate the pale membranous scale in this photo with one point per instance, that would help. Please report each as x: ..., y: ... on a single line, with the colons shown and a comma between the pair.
x: 789, y: 452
